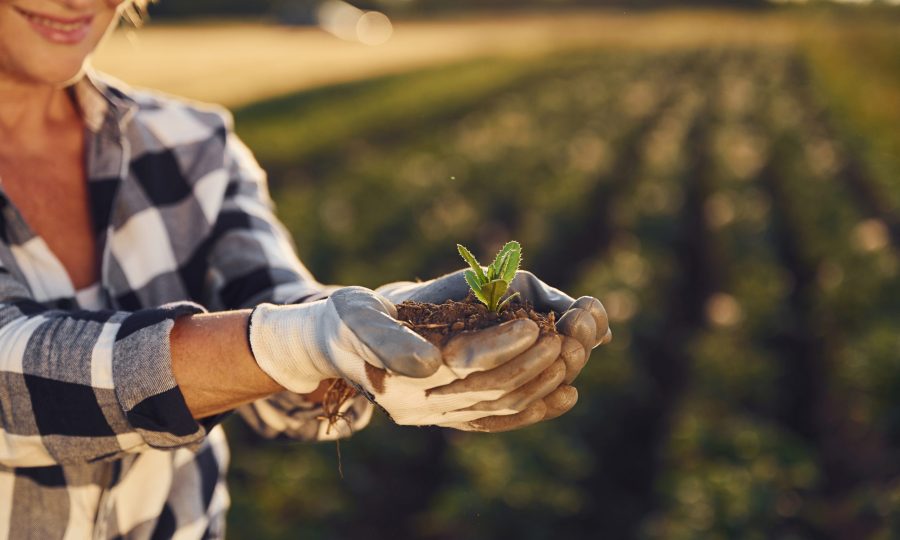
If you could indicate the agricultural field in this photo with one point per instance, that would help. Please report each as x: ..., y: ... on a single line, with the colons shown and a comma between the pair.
x: 734, y: 206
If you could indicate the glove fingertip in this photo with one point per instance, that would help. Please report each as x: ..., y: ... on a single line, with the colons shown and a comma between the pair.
x: 598, y: 312
x: 369, y: 316
x: 560, y: 401
x: 579, y: 324
x: 388, y: 305
x: 418, y: 362
x: 607, y: 338
x: 588, y: 303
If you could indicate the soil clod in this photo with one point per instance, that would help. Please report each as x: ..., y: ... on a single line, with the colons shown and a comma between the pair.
x: 439, y: 322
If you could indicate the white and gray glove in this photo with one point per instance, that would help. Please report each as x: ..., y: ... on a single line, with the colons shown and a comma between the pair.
x: 582, y: 323
x: 354, y: 335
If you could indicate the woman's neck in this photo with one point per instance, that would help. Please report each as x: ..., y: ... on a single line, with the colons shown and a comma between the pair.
x: 28, y: 110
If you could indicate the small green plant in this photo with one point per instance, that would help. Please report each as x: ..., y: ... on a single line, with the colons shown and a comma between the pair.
x: 490, y: 286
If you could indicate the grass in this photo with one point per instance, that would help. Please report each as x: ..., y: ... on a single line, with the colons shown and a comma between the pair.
x: 305, y: 126
x: 856, y: 66
x: 293, y: 128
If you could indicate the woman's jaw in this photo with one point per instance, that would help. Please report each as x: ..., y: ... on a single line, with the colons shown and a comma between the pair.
x: 47, y: 42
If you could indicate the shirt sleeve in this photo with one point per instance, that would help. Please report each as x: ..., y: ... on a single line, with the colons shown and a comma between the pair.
x: 252, y: 261
x: 83, y: 386
x: 290, y: 416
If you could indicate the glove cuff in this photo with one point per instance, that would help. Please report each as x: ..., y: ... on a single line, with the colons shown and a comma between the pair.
x: 285, y: 346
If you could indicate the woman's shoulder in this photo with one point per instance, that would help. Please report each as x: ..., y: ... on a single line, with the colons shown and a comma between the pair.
x: 173, y: 120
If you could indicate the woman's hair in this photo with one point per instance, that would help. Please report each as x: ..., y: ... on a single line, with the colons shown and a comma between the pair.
x: 136, y: 11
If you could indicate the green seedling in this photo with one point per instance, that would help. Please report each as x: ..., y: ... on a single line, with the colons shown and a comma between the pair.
x: 490, y: 286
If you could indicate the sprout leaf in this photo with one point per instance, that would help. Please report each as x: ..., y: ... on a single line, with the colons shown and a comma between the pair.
x: 475, y: 285
x: 473, y: 262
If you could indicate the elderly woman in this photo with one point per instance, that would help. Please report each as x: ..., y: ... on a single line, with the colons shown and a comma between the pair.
x: 146, y: 290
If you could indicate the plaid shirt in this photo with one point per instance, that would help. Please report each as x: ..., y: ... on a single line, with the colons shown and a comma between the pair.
x: 95, y: 438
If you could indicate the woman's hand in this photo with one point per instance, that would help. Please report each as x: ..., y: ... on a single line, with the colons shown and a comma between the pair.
x: 582, y: 324
x: 353, y: 334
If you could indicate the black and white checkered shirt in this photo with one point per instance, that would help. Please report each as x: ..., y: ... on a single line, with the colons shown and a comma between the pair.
x: 95, y: 437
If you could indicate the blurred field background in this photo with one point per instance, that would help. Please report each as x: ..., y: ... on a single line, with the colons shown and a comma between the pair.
x: 726, y: 181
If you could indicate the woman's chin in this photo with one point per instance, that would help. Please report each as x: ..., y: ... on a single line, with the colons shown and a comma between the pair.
x: 56, y: 75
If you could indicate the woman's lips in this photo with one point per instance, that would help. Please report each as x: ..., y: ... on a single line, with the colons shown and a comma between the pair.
x: 57, y: 29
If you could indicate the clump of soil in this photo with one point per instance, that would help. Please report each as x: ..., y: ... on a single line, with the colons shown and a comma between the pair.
x: 439, y: 322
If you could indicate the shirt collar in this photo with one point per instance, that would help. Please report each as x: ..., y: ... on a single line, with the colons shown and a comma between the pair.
x: 101, y: 103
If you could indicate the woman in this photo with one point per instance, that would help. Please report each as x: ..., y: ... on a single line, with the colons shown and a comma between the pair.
x: 137, y: 237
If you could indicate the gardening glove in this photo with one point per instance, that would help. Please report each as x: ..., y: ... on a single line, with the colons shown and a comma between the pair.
x: 354, y: 335
x: 582, y: 323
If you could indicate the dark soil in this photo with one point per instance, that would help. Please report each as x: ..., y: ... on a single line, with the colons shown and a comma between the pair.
x: 439, y: 322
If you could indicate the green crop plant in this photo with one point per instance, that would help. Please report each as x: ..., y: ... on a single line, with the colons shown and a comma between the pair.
x: 490, y: 286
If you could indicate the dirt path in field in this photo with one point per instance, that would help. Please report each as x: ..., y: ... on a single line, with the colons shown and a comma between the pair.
x: 239, y: 63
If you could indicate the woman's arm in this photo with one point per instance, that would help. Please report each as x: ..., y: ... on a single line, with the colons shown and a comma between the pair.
x: 214, y: 368
x: 213, y: 365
